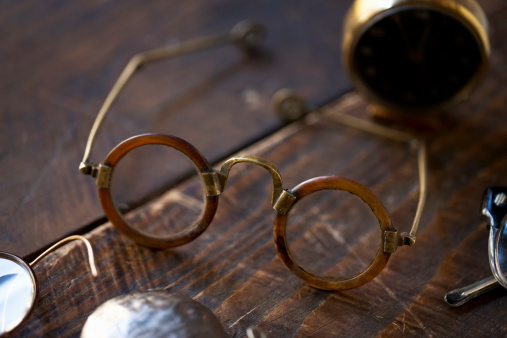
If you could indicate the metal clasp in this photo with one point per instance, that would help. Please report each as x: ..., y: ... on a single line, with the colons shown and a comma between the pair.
x: 100, y: 171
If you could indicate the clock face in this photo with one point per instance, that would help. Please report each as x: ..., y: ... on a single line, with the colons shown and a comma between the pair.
x: 416, y: 58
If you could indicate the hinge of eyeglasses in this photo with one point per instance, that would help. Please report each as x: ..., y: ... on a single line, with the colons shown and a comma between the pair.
x: 283, y: 201
x: 214, y: 182
x: 392, y: 241
x: 100, y: 171
x: 406, y: 238
x: 103, y: 176
x: 86, y: 168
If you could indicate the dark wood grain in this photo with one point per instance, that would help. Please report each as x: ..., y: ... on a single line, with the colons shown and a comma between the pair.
x: 60, y: 59
x: 233, y: 268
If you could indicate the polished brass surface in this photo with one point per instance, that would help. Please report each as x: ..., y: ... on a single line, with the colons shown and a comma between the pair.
x: 364, y: 13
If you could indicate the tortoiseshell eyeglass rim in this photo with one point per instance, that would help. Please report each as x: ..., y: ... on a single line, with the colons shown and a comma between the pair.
x: 142, y: 237
x: 324, y: 282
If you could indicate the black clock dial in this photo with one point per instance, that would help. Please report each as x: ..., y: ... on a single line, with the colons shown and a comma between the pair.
x: 416, y: 58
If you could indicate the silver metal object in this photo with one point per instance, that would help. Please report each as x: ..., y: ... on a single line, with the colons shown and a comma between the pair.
x: 152, y: 314
x: 500, y: 199
x: 459, y: 297
x: 494, y: 211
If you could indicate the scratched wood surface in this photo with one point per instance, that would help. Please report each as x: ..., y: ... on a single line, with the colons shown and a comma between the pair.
x: 233, y: 268
x: 60, y: 59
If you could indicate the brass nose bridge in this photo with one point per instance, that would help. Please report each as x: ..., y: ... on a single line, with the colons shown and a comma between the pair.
x: 215, y: 181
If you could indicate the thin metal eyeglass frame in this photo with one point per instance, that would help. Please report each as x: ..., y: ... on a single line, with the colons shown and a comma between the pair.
x: 28, y: 267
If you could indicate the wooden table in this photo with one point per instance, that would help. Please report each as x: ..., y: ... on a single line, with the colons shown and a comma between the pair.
x: 61, y: 58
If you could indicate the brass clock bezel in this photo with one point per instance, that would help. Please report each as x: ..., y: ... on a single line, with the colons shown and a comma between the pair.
x: 364, y: 13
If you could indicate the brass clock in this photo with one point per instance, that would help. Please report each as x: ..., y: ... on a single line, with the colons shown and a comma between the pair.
x: 409, y: 56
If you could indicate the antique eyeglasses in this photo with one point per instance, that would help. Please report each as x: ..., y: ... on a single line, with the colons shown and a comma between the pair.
x: 19, y: 289
x: 494, y: 210
x: 248, y: 36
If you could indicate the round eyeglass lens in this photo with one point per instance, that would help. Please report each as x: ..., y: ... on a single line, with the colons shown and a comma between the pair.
x: 153, y: 173
x: 339, y: 238
x: 326, y: 281
x: 18, y: 291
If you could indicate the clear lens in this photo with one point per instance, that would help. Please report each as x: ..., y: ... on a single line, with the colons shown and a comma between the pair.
x: 17, y: 293
x: 165, y: 177
x: 339, y: 236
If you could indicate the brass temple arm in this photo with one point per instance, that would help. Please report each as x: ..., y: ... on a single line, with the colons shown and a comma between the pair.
x: 89, y: 251
x: 247, y: 35
x: 422, y: 160
x: 290, y: 105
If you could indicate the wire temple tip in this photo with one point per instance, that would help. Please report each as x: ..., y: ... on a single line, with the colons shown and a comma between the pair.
x: 93, y: 270
x: 89, y: 249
